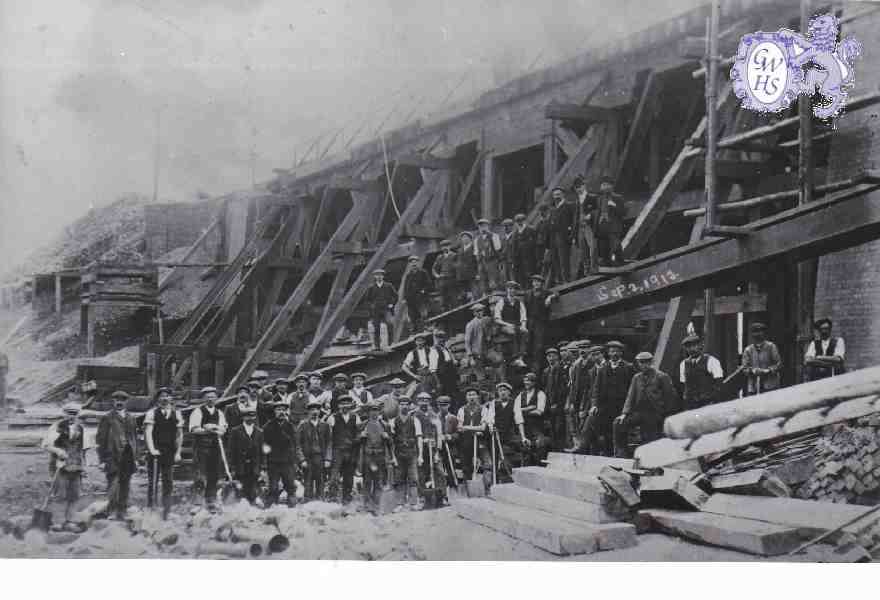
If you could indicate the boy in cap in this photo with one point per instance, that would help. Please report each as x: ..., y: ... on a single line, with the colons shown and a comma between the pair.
x: 606, y: 219
x: 243, y: 401
x: 533, y: 406
x: 299, y: 399
x: 537, y: 303
x: 245, y: 452
x: 585, y: 238
x: 476, y: 337
x: 380, y: 299
x: 487, y: 249
x: 651, y: 398
x: 562, y: 216
x: 391, y: 401
x: 415, y: 364
x: 507, y: 427
x: 406, y: 436
x: 826, y: 355
x: 444, y: 272
x: 555, y: 386
x: 417, y: 286
x: 607, y: 398
x: 117, y: 441
x: 344, y: 435
x: 700, y: 374
x: 313, y: 451
x: 376, y: 439
x: 362, y: 396
x: 432, y: 439
x: 163, y: 433
x: 512, y: 319
x: 466, y: 272
x: 449, y: 430
x: 524, y: 259
x: 317, y: 393
x: 761, y: 362
x: 279, y: 437
x: 472, y: 422
x: 208, y: 426
x: 65, y: 442
x: 442, y: 365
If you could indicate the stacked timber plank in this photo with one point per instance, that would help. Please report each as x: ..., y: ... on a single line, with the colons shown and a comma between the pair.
x: 563, y: 508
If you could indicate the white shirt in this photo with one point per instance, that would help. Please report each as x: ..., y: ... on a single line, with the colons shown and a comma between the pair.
x: 499, y: 306
x: 411, y: 357
x: 356, y: 394
x: 418, y: 424
x: 195, y: 419
x: 712, y: 365
x: 839, y: 349
x: 484, y: 414
x: 434, y: 357
x: 541, y: 403
x: 489, y: 417
x: 331, y: 420
x: 248, y: 429
x: 150, y: 417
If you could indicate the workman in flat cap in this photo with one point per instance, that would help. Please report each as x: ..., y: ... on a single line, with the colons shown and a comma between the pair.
x: 245, y: 453
x: 650, y: 399
x: 443, y: 271
x: 417, y: 287
x: 607, y: 398
x: 700, y: 374
x: 825, y: 355
x: 380, y: 299
x: 163, y: 433
x: 761, y: 362
x: 207, y: 424
x: 118, y: 449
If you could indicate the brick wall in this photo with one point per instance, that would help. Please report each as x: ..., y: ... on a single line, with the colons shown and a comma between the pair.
x: 848, y: 284
x: 170, y: 226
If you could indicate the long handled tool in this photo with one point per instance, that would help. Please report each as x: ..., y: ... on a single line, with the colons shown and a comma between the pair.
x: 231, y: 487
x: 475, y: 487
x: 501, y: 451
x: 494, y: 462
x: 453, y: 479
x: 432, y: 494
x: 154, y: 480
x: 42, y: 517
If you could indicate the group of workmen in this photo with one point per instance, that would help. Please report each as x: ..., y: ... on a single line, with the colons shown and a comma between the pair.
x: 588, y: 399
x: 482, y: 263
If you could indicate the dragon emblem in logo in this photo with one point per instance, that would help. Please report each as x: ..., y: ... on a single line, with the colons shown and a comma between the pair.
x: 768, y: 70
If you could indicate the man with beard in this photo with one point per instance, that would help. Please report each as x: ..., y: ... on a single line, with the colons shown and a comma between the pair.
x: 243, y: 401
x: 117, y: 449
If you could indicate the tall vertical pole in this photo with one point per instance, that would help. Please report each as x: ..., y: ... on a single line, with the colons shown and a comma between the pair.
x: 156, y: 155
x: 711, y: 150
x: 805, y: 133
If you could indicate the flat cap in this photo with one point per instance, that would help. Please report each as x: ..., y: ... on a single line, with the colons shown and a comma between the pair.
x: 90, y: 386
x: 71, y: 408
x: 691, y: 339
x: 466, y: 233
x: 243, y: 388
x: 606, y: 178
x: 404, y: 400
x: 422, y: 335
x: 345, y: 399
x: 379, y: 272
x: 758, y: 327
x: 281, y: 380
x: 471, y: 388
x: 439, y: 333
x: 537, y: 277
x: 507, y: 222
x: 300, y: 377
x: 823, y: 321
x: 596, y: 349
x: 444, y: 400
x: 374, y: 405
x: 314, y: 404
x: 483, y: 220
x: 397, y: 381
x: 519, y: 217
x: 340, y: 377
x: 207, y: 390
x: 249, y: 410
x: 504, y: 384
x: 512, y: 284
x: 316, y: 374
x: 164, y: 390
x: 414, y: 258
x: 120, y: 394
x: 478, y: 306
x: 423, y: 396
x: 644, y: 356
x: 445, y: 244
x: 260, y: 374
x: 358, y: 374
x: 615, y: 344
x: 530, y: 376
x: 280, y: 404
x: 551, y: 350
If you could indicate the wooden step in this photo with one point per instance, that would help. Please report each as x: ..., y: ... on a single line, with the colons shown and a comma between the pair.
x: 745, y: 535
x: 812, y: 517
x: 512, y: 493
x: 555, y: 534
x: 585, y: 463
x: 574, y: 485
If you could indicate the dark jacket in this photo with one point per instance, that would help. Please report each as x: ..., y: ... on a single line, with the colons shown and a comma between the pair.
x: 579, y: 389
x: 245, y: 452
x: 312, y: 441
x: 555, y: 385
x: 526, y: 241
x: 562, y: 220
x: 380, y: 299
x: 445, y: 265
x: 611, y: 387
x: 652, y: 393
x: 607, y: 213
x: 115, y: 432
x: 536, y: 305
x: 416, y: 283
x: 466, y: 264
x: 280, y: 436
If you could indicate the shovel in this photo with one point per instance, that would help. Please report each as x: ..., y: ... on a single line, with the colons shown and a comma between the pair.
x: 433, y: 496
x: 42, y: 518
x: 229, y: 492
x: 388, y: 498
x: 501, y: 451
x: 475, y: 488
x: 453, y: 478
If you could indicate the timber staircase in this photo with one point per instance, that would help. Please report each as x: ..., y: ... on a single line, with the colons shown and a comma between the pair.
x: 563, y: 508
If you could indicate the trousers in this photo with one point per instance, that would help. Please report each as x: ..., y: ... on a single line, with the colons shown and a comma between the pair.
x: 561, y: 263
x: 374, y: 474
x: 207, y: 471
x: 608, y: 249
x: 119, y: 483
x: 407, y: 476
x: 650, y: 426
x: 344, y: 466
x: 281, y: 473
x: 313, y: 478
x: 164, y: 463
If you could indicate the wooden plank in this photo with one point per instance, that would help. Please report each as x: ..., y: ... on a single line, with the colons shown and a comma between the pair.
x: 754, y: 482
x: 425, y: 161
x: 585, y: 463
x: 641, y: 122
x: 427, y: 232
x: 340, y: 284
x: 312, y: 240
x: 728, y: 231
x: 512, y: 493
x: 583, y: 488
x: 350, y: 183
x: 671, y: 490
x: 679, y: 173
x: 182, y: 351
x: 181, y: 372
x: 552, y: 533
x: 845, y: 220
x: 744, y: 535
x: 297, y: 298
x: 279, y: 278
x: 568, y: 140
x: 169, y: 277
x: 576, y: 112
x: 461, y: 201
x: 359, y: 287
x: 809, y: 516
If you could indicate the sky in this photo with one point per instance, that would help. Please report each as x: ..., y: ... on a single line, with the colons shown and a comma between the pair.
x: 237, y: 88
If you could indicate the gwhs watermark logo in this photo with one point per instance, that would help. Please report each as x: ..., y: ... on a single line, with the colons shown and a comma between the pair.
x: 769, y: 74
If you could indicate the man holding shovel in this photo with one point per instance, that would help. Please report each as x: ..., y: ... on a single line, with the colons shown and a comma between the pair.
x: 344, y: 427
x: 313, y: 451
x: 430, y: 472
x: 472, y: 447
x: 406, y: 434
x: 163, y: 432
x: 506, y: 426
x: 64, y: 441
x: 117, y: 448
x: 376, y: 449
x: 208, y: 425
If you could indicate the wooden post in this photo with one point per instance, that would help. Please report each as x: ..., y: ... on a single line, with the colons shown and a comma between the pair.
x: 551, y: 153
x: 152, y: 373
x: 711, y: 151
x: 196, y: 365
x: 488, y: 187
x: 219, y: 373
x: 58, y: 296
x: 90, y: 330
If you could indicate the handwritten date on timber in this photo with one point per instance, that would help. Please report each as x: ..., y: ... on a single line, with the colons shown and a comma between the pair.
x: 627, y: 289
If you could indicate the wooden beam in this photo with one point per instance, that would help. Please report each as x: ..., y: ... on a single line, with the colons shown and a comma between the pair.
x: 319, y: 225
x: 427, y: 232
x: 169, y: 277
x: 425, y: 161
x: 297, y: 299
x: 728, y: 231
x: 568, y: 140
x: 355, y: 248
x: 182, y: 351
x: 434, y: 184
x: 575, y: 112
x: 348, y: 183
x: 469, y: 182
x: 641, y: 122
x: 845, y: 220
x: 340, y: 285
x: 680, y: 172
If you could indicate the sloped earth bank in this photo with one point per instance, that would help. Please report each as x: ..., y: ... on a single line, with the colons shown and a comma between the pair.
x: 316, y: 530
